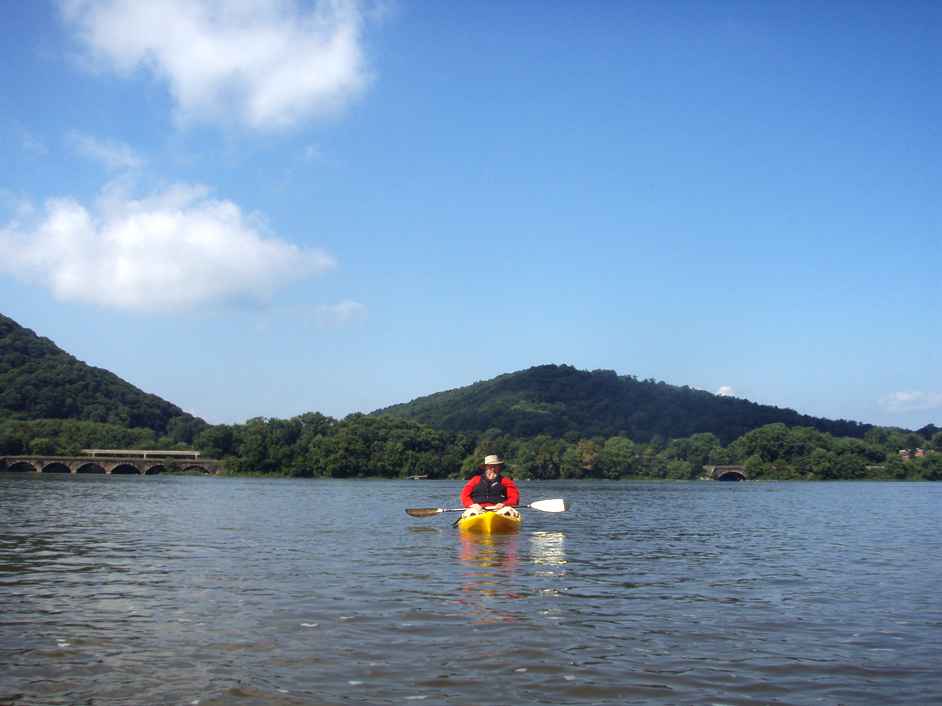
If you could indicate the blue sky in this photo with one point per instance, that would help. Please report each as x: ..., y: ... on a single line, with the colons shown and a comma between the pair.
x: 270, y: 208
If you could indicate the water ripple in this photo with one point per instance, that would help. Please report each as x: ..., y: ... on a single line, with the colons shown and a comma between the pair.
x: 228, y: 591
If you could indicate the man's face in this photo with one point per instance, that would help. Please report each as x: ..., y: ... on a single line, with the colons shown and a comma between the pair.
x: 490, y: 472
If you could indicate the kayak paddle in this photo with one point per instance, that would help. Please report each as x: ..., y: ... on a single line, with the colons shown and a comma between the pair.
x: 554, y: 505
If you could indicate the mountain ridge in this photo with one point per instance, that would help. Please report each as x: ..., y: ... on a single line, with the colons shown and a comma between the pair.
x: 554, y: 399
x: 40, y: 380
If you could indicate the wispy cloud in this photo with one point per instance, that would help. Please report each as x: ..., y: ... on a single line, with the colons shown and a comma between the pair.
x: 341, y: 313
x: 15, y: 205
x: 268, y: 64
x: 32, y: 144
x: 912, y: 401
x: 169, y: 251
x: 726, y: 391
x: 112, y: 154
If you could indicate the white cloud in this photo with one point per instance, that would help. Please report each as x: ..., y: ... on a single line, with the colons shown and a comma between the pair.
x: 340, y: 313
x: 726, y: 391
x: 171, y: 251
x: 112, y: 154
x: 267, y: 63
x: 912, y: 401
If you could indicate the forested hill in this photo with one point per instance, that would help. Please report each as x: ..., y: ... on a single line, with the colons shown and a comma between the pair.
x: 555, y: 399
x: 39, y: 380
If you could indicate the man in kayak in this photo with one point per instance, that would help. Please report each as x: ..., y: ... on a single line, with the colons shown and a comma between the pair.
x: 489, y: 490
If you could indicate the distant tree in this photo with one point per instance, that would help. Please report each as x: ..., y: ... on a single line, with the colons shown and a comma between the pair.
x: 184, y: 429
x: 822, y: 464
x: 571, y: 465
x: 216, y: 441
x: 618, y: 457
x: 540, y: 457
x: 10, y: 443
x: 931, y: 467
x: 850, y: 466
x: 42, y: 446
x: 937, y: 441
x: 680, y: 470
x: 768, y: 442
x: 756, y: 468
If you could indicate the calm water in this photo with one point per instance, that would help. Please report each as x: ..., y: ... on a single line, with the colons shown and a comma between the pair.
x: 164, y: 590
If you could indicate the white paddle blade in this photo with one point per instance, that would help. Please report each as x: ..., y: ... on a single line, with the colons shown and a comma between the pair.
x: 555, y: 505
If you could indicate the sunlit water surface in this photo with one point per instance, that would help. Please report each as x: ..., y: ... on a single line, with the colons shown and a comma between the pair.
x: 181, y: 590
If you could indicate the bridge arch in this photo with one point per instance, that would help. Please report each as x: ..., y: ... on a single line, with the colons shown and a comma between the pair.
x: 725, y: 473
x: 128, y: 462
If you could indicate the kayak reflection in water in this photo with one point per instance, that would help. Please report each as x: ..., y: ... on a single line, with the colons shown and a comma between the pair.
x: 487, y: 591
x: 489, y: 490
x: 488, y: 551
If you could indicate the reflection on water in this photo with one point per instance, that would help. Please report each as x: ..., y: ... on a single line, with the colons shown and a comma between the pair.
x: 498, y: 551
x: 548, y: 548
x: 254, y: 591
x: 490, y: 563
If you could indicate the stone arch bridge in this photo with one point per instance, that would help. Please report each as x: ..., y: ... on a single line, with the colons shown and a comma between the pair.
x: 727, y: 473
x: 114, y: 462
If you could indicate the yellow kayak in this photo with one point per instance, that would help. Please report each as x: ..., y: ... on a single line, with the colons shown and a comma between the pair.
x: 490, y: 523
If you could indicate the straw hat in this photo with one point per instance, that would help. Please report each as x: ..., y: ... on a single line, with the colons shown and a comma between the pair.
x: 492, y: 460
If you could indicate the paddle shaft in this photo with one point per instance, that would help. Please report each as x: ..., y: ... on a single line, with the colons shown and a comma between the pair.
x: 555, y: 505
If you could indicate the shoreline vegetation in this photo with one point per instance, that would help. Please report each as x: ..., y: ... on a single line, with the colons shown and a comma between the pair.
x: 548, y: 422
x: 375, y: 447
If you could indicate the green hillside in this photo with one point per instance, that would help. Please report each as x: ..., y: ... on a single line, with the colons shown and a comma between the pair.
x: 556, y: 399
x: 40, y: 381
x: 551, y: 421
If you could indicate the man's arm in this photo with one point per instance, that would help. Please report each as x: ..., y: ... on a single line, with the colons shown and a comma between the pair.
x: 466, y: 500
x: 513, y: 495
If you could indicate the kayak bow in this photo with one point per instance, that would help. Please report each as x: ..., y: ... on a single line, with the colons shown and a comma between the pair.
x: 490, y: 523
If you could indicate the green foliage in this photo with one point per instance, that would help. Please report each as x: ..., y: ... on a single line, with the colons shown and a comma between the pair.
x: 542, y: 458
x: 618, y: 458
x: 313, y: 445
x: 679, y: 470
x: 361, y: 446
x: 38, y: 380
x: 547, y: 422
x: 930, y: 467
x: 66, y: 437
x: 558, y: 399
x: 217, y: 441
x: 936, y: 443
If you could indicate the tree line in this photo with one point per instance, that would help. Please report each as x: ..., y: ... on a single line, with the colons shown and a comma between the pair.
x: 362, y: 446
x: 550, y: 421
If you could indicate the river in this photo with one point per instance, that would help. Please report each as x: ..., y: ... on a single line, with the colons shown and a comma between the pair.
x: 192, y: 590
